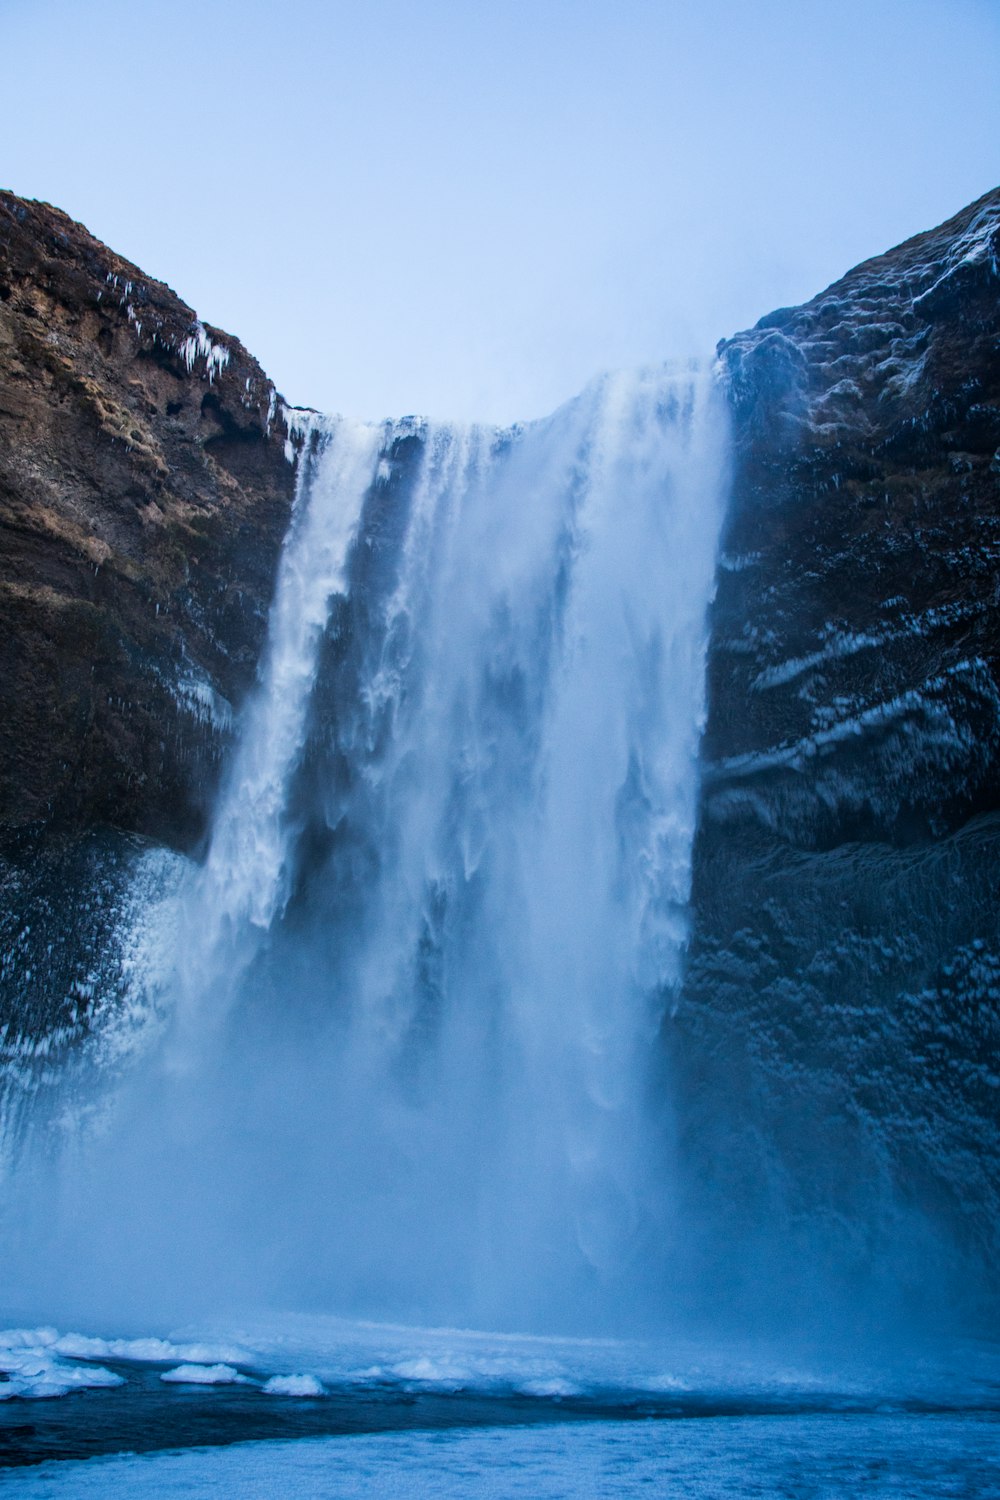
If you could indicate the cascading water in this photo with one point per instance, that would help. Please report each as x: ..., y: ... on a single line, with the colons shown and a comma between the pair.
x: 408, y: 1065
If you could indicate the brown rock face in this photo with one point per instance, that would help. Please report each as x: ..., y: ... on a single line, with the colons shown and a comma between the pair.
x: 144, y: 494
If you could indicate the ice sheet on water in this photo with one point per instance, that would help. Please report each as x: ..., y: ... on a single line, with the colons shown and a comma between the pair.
x: 342, y: 1352
x: 555, y: 1389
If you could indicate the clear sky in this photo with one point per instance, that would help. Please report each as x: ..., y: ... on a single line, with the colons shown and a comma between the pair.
x: 468, y: 209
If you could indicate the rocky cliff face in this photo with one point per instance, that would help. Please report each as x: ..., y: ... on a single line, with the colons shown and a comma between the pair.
x: 144, y: 493
x: 845, y: 968
x: 857, y: 628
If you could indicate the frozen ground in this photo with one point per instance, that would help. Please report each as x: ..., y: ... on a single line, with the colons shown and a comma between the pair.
x: 315, y: 1355
x: 376, y: 1409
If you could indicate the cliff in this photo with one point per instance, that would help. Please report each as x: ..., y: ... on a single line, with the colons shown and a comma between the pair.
x: 144, y: 494
x: 836, y: 1046
x: 844, y: 972
x: 856, y: 631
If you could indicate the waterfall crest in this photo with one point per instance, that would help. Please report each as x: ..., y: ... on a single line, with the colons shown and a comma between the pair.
x: 409, y: 1066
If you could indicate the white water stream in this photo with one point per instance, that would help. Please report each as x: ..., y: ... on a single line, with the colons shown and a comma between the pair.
x: 410, y: 1062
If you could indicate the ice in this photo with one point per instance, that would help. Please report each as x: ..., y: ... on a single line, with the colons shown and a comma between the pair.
x: 298, y: 422
x: 197, y: 346
x: 31, y: 1362
x: 147, y: 1350
x: 204, y: 1375
x: 198, y: 697
x: 292, y: 1385
x: 44, y: 1362
x: 550, y: 1388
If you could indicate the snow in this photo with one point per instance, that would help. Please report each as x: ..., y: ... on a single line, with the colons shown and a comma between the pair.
x: 839, y: 645
x: 976, y: 247
x: 31, y: 1362
x: 554, y: 1389
x: 299, y: 1355
x: 149, y: 1350
x: 204, y: 1375
x: 43, y: 1362
x: 872, y: 719
x: 293, y: 1385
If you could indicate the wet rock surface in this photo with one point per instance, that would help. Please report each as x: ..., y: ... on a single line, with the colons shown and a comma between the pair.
x: 844, y: 976
x: 856, y: 650
x: 144, y: 494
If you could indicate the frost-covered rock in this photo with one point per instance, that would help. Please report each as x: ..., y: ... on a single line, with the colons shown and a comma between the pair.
x: 144, y: 495
x: 842, y: 998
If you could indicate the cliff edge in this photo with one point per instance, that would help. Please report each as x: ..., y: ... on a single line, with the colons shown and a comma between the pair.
x: 144, y: 494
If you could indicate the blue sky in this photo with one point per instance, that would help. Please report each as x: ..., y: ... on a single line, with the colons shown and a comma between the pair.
x: 469, y: 209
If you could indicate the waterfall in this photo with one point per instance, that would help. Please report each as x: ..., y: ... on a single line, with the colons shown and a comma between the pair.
x: 410, y: 1061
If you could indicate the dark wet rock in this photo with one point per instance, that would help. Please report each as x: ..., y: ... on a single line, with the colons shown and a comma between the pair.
x: 856, y: 617
x: 843, y: 982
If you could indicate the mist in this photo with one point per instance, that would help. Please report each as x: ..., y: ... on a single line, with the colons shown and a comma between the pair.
x: 393, y: 1050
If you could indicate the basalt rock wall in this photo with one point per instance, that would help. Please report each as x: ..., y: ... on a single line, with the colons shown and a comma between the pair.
x: 844, y: 976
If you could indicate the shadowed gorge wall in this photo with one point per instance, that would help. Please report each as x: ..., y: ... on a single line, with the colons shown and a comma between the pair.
x: 843, y: 980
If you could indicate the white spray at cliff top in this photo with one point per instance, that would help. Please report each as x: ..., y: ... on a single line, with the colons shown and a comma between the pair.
x: 445, y: 906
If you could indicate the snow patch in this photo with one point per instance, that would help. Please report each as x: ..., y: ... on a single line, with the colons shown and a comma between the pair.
x: 840, y: 643
x: 204, y: 1375
x: 148, y: 1350
x: 293, y: 1385
x: 31, y: 1364
x: 551, y: 1389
